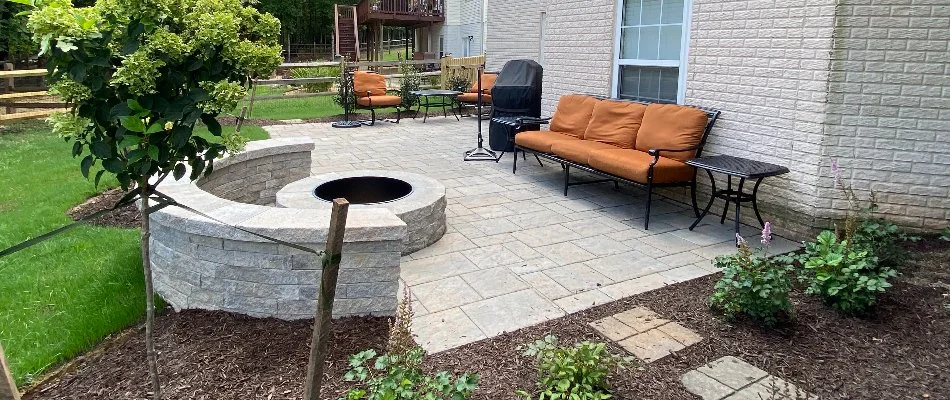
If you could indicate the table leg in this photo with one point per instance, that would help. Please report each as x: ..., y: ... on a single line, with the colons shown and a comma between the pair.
x: 755, y: 202
x: 712, y: 197
x: 738, y: 207
x: 444, y: 114
x: 725, y: 208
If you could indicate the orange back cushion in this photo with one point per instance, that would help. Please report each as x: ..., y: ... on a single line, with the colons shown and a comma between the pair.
x: 671, y: 126
x: 573, y: 114
x: 365, y: 81
x: 615, y: 123
x: 488, y: 80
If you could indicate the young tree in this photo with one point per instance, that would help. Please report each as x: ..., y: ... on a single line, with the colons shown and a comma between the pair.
x: 139, y: 75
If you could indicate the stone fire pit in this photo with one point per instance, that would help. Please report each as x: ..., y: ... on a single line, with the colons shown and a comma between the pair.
x: 417, y: 200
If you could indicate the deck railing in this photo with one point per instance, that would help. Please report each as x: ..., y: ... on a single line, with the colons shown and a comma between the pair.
x: 422, y: 8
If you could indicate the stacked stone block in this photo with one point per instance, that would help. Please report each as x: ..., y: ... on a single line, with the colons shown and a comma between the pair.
x: 204, y: 264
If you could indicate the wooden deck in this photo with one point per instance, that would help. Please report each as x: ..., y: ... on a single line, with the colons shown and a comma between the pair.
x: 401, y: 12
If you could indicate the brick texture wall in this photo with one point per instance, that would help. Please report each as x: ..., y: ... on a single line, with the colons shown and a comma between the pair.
x: 765, y: 63
x: 888, y: 123
x: 513, y: 31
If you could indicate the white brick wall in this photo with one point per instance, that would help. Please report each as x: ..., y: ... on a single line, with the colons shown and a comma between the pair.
x: 513, y: 31
x: 889, y: 118
x: 764, y: 63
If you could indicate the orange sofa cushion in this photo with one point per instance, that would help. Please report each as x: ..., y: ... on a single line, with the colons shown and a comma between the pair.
x: 615, y: 123
x: 473, y: 98
x: 578, y: 151
x: 379, y: 101
x: 634, y: 165
x: 541, y: 140
x: 573, y: 114
x: 367, y: 83
x: 671, y: 126
x: 488, y: 81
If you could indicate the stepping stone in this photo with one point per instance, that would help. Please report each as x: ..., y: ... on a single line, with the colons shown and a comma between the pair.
x: 731, y: 378
x: 644, y: 334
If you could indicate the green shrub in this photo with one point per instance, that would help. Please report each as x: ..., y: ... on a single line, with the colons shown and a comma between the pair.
x: 945, y: 235
x: 881, y: 237
x: 316, y: 72
x: 572, y: 372
x: 459, y: 83
x: 845, y: 276
x: 753, y: 285
x: 400, y: 377
x: 411, y: 80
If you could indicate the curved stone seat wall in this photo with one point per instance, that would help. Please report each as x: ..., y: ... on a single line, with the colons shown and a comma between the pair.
x: 203, y: 264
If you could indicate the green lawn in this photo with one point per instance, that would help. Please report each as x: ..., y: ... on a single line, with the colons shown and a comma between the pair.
x: 60, y: 297
x: 294, y: 108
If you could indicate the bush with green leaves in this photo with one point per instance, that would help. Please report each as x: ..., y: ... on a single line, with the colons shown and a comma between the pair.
x: 753, y: 285
x: 573, y: 372
x: 459, y: 83
x: 141, y: 74
x: 138, y: 76
x: 411, y: 80
x: 400, y: 377
x: 843, y: 275
x: 316, y: 72
x: 945, y: 235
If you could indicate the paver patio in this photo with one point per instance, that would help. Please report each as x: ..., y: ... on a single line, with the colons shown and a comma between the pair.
x: 518, y: 252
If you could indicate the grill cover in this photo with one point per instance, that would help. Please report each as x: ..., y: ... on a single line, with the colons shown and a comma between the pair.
x: 517, y: 93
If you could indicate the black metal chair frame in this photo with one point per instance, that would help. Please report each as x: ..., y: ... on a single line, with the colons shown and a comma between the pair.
x: 566, y: 165
x: 371, y: 107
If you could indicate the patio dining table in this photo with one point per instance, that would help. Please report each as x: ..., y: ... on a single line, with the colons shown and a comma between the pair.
x: 427, y: 100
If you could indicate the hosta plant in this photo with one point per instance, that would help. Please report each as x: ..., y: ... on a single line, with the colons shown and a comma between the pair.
x: 577, y: 372
x: 845, y: 276
x: 753, y: 285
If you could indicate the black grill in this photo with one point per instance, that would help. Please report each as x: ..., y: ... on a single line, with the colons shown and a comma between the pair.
x: 517, y: 93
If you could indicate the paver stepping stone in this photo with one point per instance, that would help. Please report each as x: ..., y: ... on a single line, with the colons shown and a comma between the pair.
x: 645, y: 334
x: 731, y: 378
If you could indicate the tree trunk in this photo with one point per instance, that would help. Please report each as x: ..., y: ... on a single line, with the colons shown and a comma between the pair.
x: 149, y: 297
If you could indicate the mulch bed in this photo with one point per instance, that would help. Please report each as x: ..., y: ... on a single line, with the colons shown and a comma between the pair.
x: 900, y: 352
x: 124, y: 217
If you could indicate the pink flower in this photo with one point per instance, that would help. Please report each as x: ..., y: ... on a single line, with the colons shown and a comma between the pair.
x: 836, y: 171
x: 767, y: 233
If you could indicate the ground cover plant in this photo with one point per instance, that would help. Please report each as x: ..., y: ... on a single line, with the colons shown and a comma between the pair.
x: 753, y: 284
x: 572, y: 372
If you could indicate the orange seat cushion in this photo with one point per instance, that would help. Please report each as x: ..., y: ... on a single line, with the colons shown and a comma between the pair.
x: 578, y: 151
x: 615, y: 123
x: 541, y: 140
x: 573, y: 114
x: 488, y: 81
x: 367, y: 83
x: 671, y: 126
x: 635, y: 165
x: 379, y: 101
x: 473, y: 98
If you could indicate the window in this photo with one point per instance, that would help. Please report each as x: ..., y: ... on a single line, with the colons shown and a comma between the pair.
x: 651, y: 49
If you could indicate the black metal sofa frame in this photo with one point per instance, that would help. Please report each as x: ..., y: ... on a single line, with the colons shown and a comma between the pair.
x: 566, y: 165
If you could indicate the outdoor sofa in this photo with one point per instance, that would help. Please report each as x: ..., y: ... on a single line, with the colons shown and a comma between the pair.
x: 370, y: 91
x: 643, y: 144
x: 471, y: 95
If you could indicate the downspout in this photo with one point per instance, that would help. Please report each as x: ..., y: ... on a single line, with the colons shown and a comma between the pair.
x: 484, y: 26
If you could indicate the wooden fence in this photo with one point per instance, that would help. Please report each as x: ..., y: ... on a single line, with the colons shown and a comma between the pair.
x: 466, y: 67
x: 13, y: 101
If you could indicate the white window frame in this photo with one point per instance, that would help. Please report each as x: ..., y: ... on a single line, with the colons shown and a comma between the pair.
x: 684, y: 53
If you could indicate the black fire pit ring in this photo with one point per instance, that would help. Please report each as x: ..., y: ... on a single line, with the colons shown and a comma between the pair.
x: 364, y: 189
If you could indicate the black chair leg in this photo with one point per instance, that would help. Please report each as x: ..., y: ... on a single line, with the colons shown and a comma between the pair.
x: 372, y: 119
x: 539, y: 160
x: 646, y: 217
x: 567, y: 177
x: 398, y: 114
x: 514, y: 161
x: 692, y: 194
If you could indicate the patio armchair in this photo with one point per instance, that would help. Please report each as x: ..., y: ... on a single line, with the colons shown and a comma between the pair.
x: 471, y: 95
x: 370, y: 91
